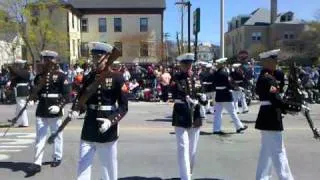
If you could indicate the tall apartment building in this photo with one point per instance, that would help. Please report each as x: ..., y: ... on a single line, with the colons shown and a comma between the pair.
x: 263, y: 30
x: 134, y: 26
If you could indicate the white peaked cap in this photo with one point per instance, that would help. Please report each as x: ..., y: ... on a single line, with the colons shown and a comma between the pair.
x: 99, y: 46
x: 268, y: 54
x: 186, y: 57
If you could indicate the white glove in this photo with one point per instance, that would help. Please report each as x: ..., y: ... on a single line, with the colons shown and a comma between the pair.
x: 203, y: 97
x: 189, y: 100
x: 54, y: 109
x: 30, y: 103
x: 73, y: 114
x: 106, y: 124
x: 304, y: 107
x: 241, y: 88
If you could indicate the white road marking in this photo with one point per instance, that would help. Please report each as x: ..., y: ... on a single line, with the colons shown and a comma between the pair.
x: 3, y: 157
x: 1, y: 147
x: 10, y: 150
x: 15, y: 142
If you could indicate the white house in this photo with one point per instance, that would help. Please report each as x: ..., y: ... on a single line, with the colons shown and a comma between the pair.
x: 10, y: 48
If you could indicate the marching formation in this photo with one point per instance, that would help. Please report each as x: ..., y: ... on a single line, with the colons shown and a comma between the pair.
x: 103, y: 99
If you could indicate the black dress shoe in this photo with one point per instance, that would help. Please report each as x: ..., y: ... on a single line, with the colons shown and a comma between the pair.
x: 22, y: 126
x: 55, y: 163
x: 242, y: 129
x: 244, y: 112
x: 219, y: 133
x: 33, y: 169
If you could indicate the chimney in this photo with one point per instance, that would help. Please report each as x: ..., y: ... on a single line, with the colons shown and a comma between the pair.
x: 274, y: 11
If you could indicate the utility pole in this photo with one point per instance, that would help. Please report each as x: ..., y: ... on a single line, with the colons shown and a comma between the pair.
x: 222, y: 28
x: 182, y: 22
x: 178, y: 44
x: 189, y: 26
x: 188, y: 4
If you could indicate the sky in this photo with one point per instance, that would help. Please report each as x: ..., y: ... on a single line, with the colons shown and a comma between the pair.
x: 210, y: 14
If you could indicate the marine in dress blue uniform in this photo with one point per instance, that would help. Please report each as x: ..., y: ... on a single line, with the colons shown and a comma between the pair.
x: 52, y: 97
x: 207, y: 87
x: 20, y: 82
x: 224, y: 99
x: 238, y: 79
x: 104, y: 109
x: 186, y: 117
x: 269, y: 121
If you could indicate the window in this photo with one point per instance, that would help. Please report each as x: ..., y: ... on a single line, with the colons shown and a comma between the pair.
x: 291, y: 36
x: 256, y: 36
x: 288, y: 35
x: 118, y: 45
x: 143, y: 24
x: 102, y: 25
x: 117, y: 25
x: 84, y: 49
x: 144, y: 49
x: 72, y: 21
x: 74, y: 47
x: 84, y: 25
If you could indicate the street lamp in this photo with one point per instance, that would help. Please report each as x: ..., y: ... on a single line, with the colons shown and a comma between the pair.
x: 222, y: 28
x: 188, y: 4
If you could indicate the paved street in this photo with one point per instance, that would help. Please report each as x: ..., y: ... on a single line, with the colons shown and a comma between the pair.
x: 147, y: 148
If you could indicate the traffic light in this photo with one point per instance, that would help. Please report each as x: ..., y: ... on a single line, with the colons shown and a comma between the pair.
x: 196, y: 21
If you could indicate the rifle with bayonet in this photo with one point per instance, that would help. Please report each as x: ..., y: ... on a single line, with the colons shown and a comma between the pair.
x: 294, y: 93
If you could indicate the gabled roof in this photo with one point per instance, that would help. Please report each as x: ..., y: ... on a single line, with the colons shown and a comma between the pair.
x: 260, y: 15
x: 118, y: 4
x: 293, y: 21
x: 8, y: 37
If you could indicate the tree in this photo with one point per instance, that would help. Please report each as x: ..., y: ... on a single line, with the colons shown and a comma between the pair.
x: 37, y: 23
x: 310, y: 39
x: 142, y: 47
x: 256, y: 49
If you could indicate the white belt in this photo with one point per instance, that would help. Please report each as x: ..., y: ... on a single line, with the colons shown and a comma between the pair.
x: 238, y: 81
x: 221, y: 87
x: 278, y: 81
x: 178, y: 101
x: 266, y: 103
x: 22, y: 84
x: 50, y: 95
x: 101, y: 108
x: 206, y: 83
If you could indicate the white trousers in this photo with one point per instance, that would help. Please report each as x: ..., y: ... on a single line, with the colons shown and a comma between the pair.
x: 273, y: 152
x: 239, y: 95
x: 187, y: 141
x: 107, y: 153
x: 23, y: 119
x: 211, y: 100
x: 42, y: 125
x: 218, y: 115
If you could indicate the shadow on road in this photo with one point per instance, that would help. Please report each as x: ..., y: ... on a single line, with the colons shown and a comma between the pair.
x: 157, y: 178
x: 248, y: 122
x: 160, y: 120
x: 15, y: 166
